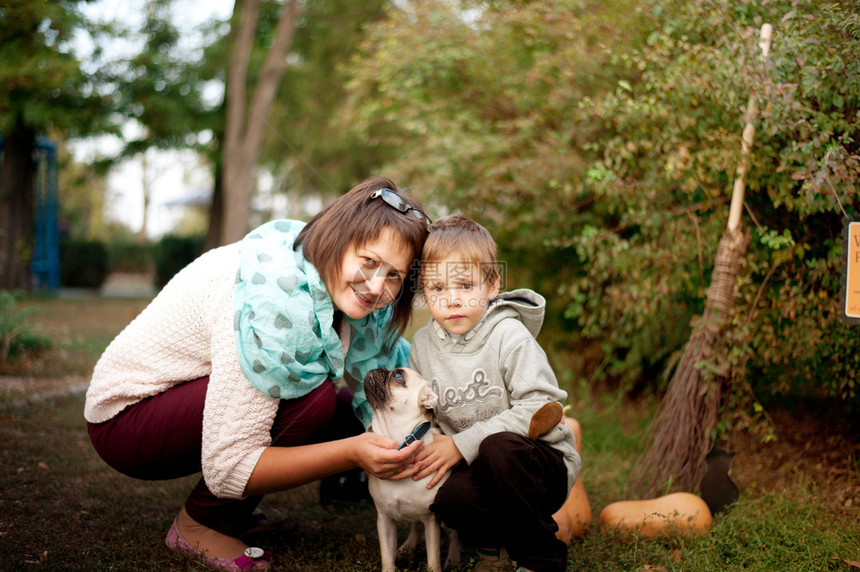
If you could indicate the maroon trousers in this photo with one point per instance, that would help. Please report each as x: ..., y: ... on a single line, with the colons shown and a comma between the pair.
x: 160, y: 438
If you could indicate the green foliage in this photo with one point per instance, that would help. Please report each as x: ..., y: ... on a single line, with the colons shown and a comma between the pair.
x: 173, y: 254
x: 42, y: 84
x: 599, y: 143
x: 131, y: 257
x: 479, y: 114
x: 161, y: 86
x: 83, y: 263
x: 16, y: 339
x: 306, y: 145
x: 678, y: 132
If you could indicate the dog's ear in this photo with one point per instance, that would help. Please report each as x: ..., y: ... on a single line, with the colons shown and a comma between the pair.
x: 378, y: 374
x: 427, y: 398
x: 376, y: 388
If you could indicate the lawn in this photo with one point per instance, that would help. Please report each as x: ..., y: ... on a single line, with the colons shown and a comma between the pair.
x: 62, y: 508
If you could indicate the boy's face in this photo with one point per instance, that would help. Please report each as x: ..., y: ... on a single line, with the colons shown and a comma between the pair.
x: 457, y: 293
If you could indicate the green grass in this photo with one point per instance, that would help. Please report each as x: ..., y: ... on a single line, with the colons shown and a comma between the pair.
x: 79, y: 330
x: 62, y: 508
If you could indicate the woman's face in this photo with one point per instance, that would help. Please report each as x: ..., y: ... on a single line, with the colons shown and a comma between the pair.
x: 371, y: 275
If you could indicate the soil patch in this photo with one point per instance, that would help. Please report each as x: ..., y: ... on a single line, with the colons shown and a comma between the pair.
x: 808, y: 450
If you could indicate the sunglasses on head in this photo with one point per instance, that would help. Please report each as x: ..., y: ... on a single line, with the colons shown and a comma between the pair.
x: 395, y: 201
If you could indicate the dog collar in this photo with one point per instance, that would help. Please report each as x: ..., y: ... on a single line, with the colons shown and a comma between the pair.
x: 419, y: 431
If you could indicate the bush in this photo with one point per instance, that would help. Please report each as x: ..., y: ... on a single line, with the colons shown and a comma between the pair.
x: 174, y: 253
x: 15, y: 339
x: 83, y: 263
x: 131, y: 257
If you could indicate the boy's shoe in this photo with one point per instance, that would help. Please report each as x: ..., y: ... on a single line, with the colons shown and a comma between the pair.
x: 492, y: 560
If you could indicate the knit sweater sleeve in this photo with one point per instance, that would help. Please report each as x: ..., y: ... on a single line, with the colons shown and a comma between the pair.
x: 186, y: 333
x: 237, y: 419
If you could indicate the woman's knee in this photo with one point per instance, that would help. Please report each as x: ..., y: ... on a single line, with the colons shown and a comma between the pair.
x: 300, y: 421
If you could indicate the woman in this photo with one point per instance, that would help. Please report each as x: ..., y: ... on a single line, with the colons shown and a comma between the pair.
x: 231, y: 368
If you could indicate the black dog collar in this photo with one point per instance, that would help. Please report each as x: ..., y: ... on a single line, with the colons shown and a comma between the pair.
x: 416, y: 434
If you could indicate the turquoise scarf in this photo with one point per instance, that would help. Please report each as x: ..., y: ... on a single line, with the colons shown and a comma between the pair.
x: 283, y: 320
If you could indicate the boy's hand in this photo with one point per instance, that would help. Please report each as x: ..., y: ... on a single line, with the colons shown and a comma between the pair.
x: 438, y: 457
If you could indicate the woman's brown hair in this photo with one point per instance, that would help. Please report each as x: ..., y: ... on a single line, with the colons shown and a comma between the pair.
x: 354, y: 219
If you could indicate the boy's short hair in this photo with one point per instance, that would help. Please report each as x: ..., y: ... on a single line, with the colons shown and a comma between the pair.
x: 461, y: 237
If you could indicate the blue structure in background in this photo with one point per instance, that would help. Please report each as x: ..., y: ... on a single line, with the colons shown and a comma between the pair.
x: 45, y: 264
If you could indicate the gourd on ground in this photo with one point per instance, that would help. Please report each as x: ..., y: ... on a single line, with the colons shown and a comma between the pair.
x: 676, y: 513
x: 574, y: 516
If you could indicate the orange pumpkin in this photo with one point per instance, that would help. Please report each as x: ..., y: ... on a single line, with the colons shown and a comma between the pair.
x: 676, y: 513
x: 574, y: 516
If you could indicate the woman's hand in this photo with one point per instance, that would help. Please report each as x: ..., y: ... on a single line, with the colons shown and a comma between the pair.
x: 281, y: 468
x: 378, y: 456
x: 438, y: 457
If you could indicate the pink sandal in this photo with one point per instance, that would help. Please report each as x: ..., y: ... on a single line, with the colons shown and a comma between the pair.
x: 253, y: 559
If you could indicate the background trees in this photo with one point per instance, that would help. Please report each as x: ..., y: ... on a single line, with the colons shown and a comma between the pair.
x: 42, y: 89
x: 597, y: 141
x: 299, y: 142
x: 668, y: 166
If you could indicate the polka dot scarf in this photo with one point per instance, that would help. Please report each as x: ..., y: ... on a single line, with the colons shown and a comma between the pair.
x: 283, y: 318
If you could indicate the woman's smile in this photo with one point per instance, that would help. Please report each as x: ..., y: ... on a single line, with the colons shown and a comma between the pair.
x: 371, y: 275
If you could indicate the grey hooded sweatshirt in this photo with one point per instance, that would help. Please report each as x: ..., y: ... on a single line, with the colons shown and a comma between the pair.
x: 494, y: 377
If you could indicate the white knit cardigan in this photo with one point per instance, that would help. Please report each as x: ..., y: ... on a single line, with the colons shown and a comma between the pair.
x: 184, y: 334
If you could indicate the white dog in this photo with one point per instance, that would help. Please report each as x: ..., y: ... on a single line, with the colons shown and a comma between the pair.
x: 402, y: 404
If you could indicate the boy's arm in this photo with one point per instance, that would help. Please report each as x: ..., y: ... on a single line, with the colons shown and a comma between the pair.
x: 531, y: 384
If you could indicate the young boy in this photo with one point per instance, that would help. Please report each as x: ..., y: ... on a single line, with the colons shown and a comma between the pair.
x: 481, y: 358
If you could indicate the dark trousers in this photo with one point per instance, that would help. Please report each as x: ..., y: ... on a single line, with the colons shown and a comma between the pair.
x: 160, y: 438
x: 507, y: 497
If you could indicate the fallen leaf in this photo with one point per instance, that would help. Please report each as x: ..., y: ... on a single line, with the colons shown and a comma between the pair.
x: 851, y: 563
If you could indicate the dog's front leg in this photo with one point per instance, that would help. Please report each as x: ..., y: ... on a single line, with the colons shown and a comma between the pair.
x: 387, y: 530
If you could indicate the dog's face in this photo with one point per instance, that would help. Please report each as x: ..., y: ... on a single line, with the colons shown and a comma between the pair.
x: 399, y: 398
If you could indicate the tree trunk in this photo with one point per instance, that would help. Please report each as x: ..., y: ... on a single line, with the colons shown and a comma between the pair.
x: 216, y: 213
x: 17, y: 179
x: 246, y: 123
x: 147, y: 192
